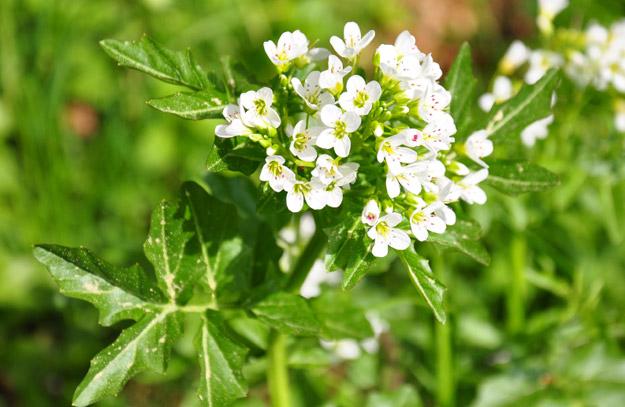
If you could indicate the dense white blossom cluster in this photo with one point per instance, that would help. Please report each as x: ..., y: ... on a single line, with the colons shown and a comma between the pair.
x: 327, y: 129
x: 594, y: 57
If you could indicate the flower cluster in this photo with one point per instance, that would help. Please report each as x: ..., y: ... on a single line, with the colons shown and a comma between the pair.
x: 388, y: 142
x: 593, y: 57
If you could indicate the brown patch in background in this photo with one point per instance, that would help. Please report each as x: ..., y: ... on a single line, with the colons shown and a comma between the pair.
x: 82, y: 119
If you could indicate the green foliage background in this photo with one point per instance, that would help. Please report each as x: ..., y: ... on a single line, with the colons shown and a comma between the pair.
x: 542, y: 324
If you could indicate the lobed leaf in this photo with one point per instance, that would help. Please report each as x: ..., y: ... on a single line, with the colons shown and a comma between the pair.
x: 149, y: 57
x: 118, y: 293
x: 193, y: 106
x: 532, y: 103
x: 145, y: 345
x: 288, y: 313
x: 176, y: 267
x: 423, y: 279
x: 516, y: 177
x: 463, y: 236
x: 221, y: 358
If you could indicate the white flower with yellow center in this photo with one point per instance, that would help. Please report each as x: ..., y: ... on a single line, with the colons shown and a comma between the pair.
x: 436, y: 136
x: 332, y: 78
x: 258, y: 110
x: 235, y: 126
x: 314, y: 96
x: 414, y: 177
x: 424, y: 219
x: 360, y: 96
x: 385, y: 234
x: 392, y: 151
x: 516, y: 55
x: 303, y: 141
x: 310, y: 191
x: 339, y: 125
x: 291, y: 45
x: 436, y: 99
x: 401, y: 60
x: 276, y: 173
x: 334, y: 190
x: 353, y: 42
x: 548, y: 10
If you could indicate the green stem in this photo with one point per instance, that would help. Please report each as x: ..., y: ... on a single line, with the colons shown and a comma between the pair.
x: 277, y: 372
x: 306, y: 260
x: 516, y: 294
x: 445, y: 383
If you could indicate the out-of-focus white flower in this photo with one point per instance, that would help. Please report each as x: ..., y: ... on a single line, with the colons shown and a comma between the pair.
x: 352, y: 43
x: 385, y: 234
x: 276, y: 173
x: 317, y: 277
x: 619, y: 116
x: 502, y: 91
x: 290, y: 45
x: 339, y: 125
x: 345, y: 349
x: 548, y: 10
x: 478, y: 146
x: 468, y: 188
x: 314, y: 96
x: 516, y: 55
x: 303, y: 141
x: 360, y: 96
x: 235, y: 126
x: 539, y: 63
x: 536, y: 131
x: 258, y: 110
x: 332, y: 78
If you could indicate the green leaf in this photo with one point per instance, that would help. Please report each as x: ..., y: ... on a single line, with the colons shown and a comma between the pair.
x: 533, y: 102
x: 349, y: 249
x: 225, y: 258
x: 144, y: 345
x: 221, y: 358
x: 404, y: 396
x: 288, y: 313
x: 226, y: 155
x: 193, y: 106
x: 463, y: 236
x: 516, y: 177
x: 340, y: 318
x: 118, y: 293
x: 149, y: 57
x: 176, y: 267
x: 423, y: 279
x: 460, y: 82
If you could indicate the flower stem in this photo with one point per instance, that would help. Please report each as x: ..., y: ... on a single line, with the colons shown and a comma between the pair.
x: 306, y: 260
x: 516, y: 294
x: 277, y: 372
x: 445, y: 383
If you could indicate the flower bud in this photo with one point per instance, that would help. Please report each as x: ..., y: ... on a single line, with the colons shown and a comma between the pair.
x: 378, y: 129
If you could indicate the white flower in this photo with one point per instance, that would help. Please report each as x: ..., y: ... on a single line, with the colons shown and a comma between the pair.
x: 235, y: 126
x: 303, y: 141
x: 392, y: 151
x: 316, y: 278
x: 371, y: 213
x: 535, y: 131
x: 468, y: 188
x: 403, y: 59
x: 385, y: 234
x: 436, y: 99
x: 425, y: 219
x: 516, y: 55
x: 332, y: 78
x: 312, y: 192
x: 539, y: 63
x: 353, y: 43
x: 328, y: 171
x: 502, y: 91
x: 344, y: 349
x: 311, y: 92
x: 339, y: 125
x: 478, y: 146
x: 436, y: 136
x: 291, y: 45
x: 413, y: 177
x: 548, y: 10
x: 360, y: 96
x: 278, y: 175
x: 258, y: 110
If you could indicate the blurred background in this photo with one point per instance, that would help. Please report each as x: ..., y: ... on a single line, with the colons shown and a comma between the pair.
x: 83, y: 160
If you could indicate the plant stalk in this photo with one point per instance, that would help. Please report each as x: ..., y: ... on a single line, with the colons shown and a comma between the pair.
x: 277, y: 372
x: 516, y: 294
x: 306, y: 260
x: 445, y: 381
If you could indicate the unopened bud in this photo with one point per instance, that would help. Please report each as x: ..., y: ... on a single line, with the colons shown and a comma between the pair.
x: 378, y: 129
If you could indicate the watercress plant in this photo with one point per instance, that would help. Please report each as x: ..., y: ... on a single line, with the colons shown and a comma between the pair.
x: 385, y: 161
